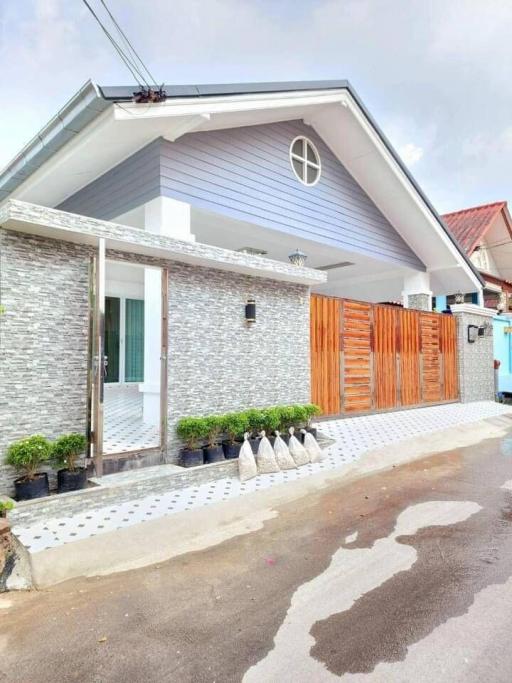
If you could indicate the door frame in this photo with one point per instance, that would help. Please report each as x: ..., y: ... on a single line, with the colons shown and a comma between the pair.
x: 96, y: 364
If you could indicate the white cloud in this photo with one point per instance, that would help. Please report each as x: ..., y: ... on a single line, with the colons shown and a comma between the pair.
x: 410, y: 153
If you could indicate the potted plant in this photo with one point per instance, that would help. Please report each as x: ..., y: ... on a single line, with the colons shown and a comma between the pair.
x: 65, y: 452
x: 6, y: 504
x: 255, y: 422
x: 26, y: 456
x: 286, y: 420
x: 192, y: 430
x: 234, y: 425
x: 213, y: 451
x: 311, y: 411
x: 271, y: 421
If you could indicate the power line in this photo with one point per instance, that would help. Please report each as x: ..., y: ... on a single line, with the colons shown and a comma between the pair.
x: 128, y: 43
x: 134, y: 70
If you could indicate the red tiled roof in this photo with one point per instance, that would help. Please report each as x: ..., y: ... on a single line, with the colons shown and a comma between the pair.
x: 470, y: 225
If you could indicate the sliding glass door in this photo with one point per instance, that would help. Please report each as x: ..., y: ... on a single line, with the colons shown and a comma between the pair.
x: 124, y: 339
x: 112, y: 337
x: 134, y: 341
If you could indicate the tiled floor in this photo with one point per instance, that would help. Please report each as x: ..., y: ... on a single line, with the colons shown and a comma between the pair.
x: 353, y: 437
x: 124, y: 429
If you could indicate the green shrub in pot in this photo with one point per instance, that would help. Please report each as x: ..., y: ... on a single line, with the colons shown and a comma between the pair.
x: 213, y: 452
x: 234, y: 426
x: 255, y: 422
x: 27, y: 455
x: 312, y: 411
x: 65, y: 452
x: 271, y: 421
x: 192, y: 431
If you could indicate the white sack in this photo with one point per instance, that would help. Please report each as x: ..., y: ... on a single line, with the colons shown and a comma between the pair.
x: 265, y: 458
x: 246, y: 463
x: 311, y: 445
x: 283, y: 455
x: 299, y: 453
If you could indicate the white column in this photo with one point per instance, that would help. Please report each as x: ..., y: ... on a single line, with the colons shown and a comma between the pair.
x: 169, y: 217
x: 152, y: 345
x: 417, y: 286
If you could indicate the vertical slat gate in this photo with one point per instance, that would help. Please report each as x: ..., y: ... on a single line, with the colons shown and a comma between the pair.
x: 385, y: 324
x: 448, y: 348
x: 368, y: 357
x: 409, y: 326
x: 325, y: 353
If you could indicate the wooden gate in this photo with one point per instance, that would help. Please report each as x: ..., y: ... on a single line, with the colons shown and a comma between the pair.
x: 369, y: 357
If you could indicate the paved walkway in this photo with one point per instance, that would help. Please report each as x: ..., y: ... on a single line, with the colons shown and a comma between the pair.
x: 153, y: 498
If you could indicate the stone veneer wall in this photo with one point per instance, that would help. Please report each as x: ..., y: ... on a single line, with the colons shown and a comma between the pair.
x: 475, y: 361
x: 420, y: 302
x: 216, y: 362
x: 43, y: 339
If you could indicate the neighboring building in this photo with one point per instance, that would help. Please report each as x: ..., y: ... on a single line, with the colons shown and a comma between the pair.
x: 134, y: 234
x: 485, y: 234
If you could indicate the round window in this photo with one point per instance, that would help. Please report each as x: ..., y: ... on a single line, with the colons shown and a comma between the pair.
x: 305, y: 161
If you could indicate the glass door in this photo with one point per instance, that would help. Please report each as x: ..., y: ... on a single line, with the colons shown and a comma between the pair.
x: 134, y: 340
x: 112, y: 337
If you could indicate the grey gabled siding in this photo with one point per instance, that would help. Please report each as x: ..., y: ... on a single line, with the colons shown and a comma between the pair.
x: 245, y: 173
x: 134, y: 181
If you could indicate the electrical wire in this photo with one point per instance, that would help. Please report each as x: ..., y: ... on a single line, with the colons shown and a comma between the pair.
x: 133, y: 69
x: 128, y: 43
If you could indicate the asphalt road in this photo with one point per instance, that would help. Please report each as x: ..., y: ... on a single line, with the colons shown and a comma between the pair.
x: 401, y: 576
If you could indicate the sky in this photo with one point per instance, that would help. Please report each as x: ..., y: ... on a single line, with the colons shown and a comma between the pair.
x: 436, y: 75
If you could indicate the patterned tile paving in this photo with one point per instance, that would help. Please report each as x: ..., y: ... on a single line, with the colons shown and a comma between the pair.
x: 124, y: 429
x: 353, y: 437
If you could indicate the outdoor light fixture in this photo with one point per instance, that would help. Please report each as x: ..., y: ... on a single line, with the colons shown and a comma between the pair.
x: 459, y: 298
x: 250, y: 311
x: 473, y: 331
x: 297, y: 257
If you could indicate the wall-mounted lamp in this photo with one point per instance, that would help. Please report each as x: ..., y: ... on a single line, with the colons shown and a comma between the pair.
x: 485, y: 330
x: 297, y: 257
x: 250, y: 311
x: 473, y: 331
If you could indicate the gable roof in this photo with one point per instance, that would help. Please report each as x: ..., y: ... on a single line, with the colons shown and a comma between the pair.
x: 84, y: 129
x: 469, y: 226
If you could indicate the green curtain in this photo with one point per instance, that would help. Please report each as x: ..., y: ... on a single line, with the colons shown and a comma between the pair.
x: 112, y: 327
x: 134, y: 341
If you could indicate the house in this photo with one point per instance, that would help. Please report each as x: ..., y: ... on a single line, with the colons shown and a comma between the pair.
x: 133, y: 235
x: 485, y: 234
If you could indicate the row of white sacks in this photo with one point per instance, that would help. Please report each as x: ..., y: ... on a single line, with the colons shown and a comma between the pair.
x: 281, y: 457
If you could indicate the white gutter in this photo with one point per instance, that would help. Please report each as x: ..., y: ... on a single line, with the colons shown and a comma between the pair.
x: 81, y: 109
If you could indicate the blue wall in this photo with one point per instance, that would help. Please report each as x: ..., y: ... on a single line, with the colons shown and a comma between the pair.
x: 245, y: 173
x: 503, y: 351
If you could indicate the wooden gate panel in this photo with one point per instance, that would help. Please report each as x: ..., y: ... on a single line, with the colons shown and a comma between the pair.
x: 385, y: 349
x: 431, y: 376
x: 356, y: 335
x: 368, y: 357
x: 325, y: 353
x: 409, y: 361
x: 448, y: 349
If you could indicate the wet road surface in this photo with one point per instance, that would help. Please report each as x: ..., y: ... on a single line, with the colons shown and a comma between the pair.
x: 401, y: 576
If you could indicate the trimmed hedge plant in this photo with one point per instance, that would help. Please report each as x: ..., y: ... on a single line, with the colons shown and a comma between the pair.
x: 195, y: 431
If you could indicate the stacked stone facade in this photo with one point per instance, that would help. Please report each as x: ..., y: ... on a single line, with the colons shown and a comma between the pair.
x: 475, y: 360
x: 216, y: 361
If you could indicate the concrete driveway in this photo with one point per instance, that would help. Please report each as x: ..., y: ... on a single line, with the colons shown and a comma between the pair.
x: 402, y: 576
